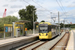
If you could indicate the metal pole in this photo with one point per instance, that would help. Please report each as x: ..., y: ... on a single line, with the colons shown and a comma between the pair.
x: 64, y: 23
x: 4, y: 35
x: 59, y: 23
x: 33, y: 22
x: 51, y: 17
x: 34, y: 27
x: 13, y: 29
x: 54, y: 21
x: 4, y: 32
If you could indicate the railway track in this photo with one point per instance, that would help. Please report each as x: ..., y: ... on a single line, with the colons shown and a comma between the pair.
x: 39, y: 45
x: 59, y: 45
x: 29, y: 45
x: 62, y: 43
x: 35, y: 45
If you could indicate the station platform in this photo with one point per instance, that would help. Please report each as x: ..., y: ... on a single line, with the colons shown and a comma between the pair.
x: 70, y: 45
x: 7, y: 44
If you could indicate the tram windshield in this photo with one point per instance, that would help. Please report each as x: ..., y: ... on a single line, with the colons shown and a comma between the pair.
x: 43, y: 29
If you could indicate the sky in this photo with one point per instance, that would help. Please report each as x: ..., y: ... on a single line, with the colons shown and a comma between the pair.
x: 45, y: 9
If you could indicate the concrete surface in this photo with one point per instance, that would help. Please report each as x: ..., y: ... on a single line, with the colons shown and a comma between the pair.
x: 49, y: 44
x: 7, y: 44
x: 45, y: 46
x: 70, y: 45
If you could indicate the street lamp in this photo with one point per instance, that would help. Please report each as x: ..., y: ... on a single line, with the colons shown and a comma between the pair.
x: 33, y: 22
x: 34, y: 27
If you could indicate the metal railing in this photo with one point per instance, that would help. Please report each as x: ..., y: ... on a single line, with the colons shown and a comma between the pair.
x: 9, y: 35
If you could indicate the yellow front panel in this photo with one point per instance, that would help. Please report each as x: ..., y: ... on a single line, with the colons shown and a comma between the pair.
x: 44, y: 36
x: 50, y: 35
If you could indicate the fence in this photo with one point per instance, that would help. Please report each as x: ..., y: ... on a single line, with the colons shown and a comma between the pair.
x: 8, y: 35
x: 31, y: 32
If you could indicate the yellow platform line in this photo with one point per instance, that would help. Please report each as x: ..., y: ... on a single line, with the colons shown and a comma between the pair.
x: 70, y: 45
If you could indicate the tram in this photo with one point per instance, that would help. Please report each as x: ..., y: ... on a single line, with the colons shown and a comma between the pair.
x: 47, y: 30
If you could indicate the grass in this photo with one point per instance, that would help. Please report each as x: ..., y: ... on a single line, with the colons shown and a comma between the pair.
x: 6, y: 34
x: 1, y: 34
x: 72, y: 28
x: 1, y: 31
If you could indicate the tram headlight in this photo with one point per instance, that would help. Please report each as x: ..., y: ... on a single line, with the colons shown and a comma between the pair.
x: 40, y: 34
x: 46, y: 34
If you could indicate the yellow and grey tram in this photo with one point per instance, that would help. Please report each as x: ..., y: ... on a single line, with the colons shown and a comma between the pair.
x: 47, y: 30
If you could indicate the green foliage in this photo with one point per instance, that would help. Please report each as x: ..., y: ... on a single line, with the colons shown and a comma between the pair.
x: 67, y: 25
x: 42, y: 21
x: 7, y: 20
x: 27, y: 14
x: 61, y: 25
x: 72, y: 26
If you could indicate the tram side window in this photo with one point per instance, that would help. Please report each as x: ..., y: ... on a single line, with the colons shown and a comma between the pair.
x: 49, y: 28
x: 53, y: 29
x: 57, y: 29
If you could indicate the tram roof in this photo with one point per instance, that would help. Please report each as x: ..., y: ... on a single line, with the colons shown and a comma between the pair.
x: 48, y: 23
x: 45, y: 23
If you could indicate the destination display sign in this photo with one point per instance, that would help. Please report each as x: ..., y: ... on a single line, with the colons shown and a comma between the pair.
x: 43, y: 28
x: 43, y: 25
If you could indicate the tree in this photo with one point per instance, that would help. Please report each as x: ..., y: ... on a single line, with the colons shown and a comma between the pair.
x: 42, y: 21
x: 27, y: 14
x: 61, y: 25
x: 7, y: 20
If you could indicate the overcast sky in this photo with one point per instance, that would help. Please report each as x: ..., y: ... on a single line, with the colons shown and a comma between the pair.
x: 45, y: 9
